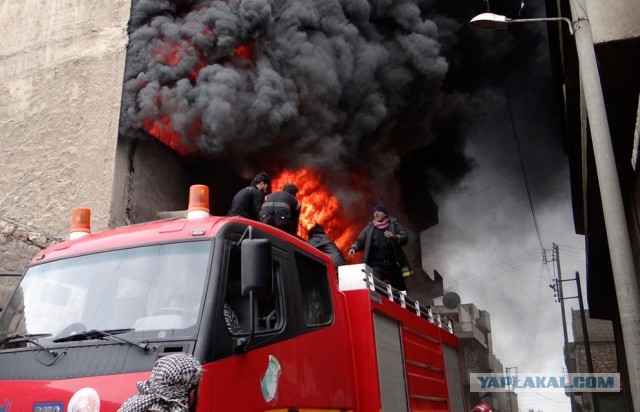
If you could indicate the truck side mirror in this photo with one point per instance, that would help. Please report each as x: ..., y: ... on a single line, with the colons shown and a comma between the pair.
x: 255, y: 259
x: 255, y: 273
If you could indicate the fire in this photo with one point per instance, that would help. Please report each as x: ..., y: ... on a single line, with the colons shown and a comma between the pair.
x: 319, y: 206
x: 163, y: 131
x: 244, y: 50
x: 169, y: 54
x: 196, y: 69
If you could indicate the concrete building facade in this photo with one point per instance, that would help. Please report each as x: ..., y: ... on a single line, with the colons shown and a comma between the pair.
x: 61, y: 70
x: 604, y: 359
x: 473, y: 329
x: 62, y: 76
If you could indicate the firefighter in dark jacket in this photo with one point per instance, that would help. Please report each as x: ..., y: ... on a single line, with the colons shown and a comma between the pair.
x: 382, y: 240
x: 248, y: 201
x: 319, y: 240
x: 282, y: 209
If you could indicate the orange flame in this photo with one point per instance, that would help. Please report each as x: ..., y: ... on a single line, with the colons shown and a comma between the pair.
x: 196, y: 69
x: 168, y: 53
x: 244, y: 50
x: 164, y: 132
x: 319, y: 206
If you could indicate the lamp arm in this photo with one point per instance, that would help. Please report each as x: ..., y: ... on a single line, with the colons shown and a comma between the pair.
x: 566, y: 20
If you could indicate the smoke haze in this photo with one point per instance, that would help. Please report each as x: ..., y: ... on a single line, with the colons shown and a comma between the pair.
x: 392, y: 101
x: 348, y: 87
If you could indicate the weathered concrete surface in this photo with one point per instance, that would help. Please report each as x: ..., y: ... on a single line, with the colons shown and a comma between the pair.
x: 61, y: 71
x: 612, y: 21
x: 8, y: 284
x: 19, y: 243
x: 148, y: 178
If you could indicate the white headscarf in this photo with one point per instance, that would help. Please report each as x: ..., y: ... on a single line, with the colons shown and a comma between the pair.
x: 172, y: 378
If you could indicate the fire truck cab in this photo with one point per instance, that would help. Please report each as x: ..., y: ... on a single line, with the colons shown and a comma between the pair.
x: 273, y: 324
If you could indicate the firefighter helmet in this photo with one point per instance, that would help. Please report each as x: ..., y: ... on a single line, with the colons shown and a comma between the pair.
x: 482, y: 407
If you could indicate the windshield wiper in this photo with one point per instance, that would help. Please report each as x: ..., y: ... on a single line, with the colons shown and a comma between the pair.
x: 24, y: 337
x: 107, y: 334
x: 27, y: 337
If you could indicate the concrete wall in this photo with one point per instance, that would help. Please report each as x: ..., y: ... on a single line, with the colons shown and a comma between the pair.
x: 476, y: 351
x: 149, y: 178
x: 61, y: 71
x: 601, y: 339
x: 604, y: 356
x: 611, y: 21
x: 20, y: 243
x: 8, y: 284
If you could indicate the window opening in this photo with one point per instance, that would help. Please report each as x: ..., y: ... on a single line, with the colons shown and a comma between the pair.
x: 267, y: 308
x: 314, y: 285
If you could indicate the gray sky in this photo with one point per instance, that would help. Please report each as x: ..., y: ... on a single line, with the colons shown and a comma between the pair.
x: 486, y: 246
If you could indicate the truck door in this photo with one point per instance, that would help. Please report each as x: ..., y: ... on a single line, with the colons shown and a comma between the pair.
x: 299, y: 357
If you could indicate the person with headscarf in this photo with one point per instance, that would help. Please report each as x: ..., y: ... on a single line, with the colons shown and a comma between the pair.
x: 171, y: 388
x: 382, y: 240
x: 319, y: 240
x: 231, y: 319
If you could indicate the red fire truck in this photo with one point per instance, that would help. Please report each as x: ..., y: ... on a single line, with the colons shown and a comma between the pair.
x: 91, y: 316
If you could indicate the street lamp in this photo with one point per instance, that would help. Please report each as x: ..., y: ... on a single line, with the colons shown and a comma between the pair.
x: 622, y: 263
x: 491, y: 21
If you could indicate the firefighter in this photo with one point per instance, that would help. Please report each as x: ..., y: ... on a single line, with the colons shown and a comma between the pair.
x: 248, y: 201
x: 282, y: 209
x: 319, y: 240
x: 382, y: 240
x: 172, y: 387
x: 482, y: 407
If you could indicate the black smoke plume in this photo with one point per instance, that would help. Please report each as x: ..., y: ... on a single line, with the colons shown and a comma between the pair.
x: 346, y: 86
x: 384, y: 92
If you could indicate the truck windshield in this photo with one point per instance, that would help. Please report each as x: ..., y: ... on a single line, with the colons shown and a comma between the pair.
x: 155, y: 290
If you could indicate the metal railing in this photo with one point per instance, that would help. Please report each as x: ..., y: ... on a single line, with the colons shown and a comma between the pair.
x: 404, y: 300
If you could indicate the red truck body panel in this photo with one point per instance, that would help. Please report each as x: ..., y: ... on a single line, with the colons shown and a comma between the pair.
x: 332, y: 368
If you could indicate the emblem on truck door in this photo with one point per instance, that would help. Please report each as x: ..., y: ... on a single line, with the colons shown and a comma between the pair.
x: 269, y: 382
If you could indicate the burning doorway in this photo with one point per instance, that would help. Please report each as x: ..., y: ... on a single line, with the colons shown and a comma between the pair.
x: 344, y: 94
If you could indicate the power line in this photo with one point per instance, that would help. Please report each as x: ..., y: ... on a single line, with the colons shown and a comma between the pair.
x: 514, y: 265
x: 466, y: 195
x: 524, y: 173
x: 533, y: 328
x: 575, y: 248
x: 471, y: 240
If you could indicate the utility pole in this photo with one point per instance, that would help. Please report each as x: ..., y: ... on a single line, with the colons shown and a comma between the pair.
x: 585, y: 331
x: 585, y: 337
x: 622, y: 264
x: 510, y: 384
x: 560, y: 295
